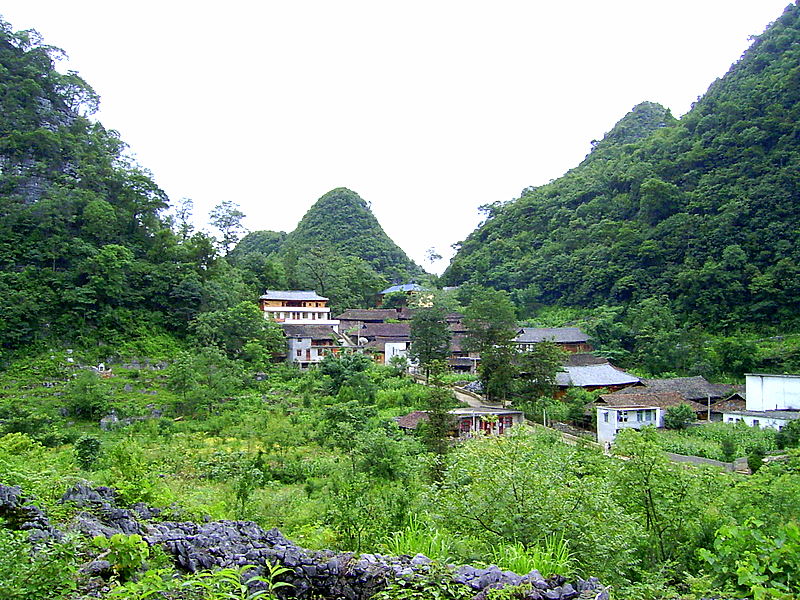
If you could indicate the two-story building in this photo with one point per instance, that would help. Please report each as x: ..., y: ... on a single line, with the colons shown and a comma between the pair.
x: 310, y: 344
x: 770, y: 401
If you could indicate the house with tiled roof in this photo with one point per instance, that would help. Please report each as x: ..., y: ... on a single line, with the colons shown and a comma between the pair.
x: 635, y: 408
x: 697, y: 389
x: 309, y: 344
x: 297, y: 307
x: 468, y: 421
x: 593, y: 373
x: 385, y: 340
x: 570, y: 339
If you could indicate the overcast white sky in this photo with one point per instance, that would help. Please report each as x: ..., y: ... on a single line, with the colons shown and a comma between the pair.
x: 427, y: 109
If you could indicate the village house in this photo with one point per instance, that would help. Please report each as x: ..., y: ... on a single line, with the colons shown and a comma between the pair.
x: 634, y: 408
x: 298, y: 307
x: 770, y: 401
x: 310, y: 344
x: 592, y: 373
x: 468, y: 421
x: 354, y: 319
x: 385, y: 340
x: 570, y: 339
x: 695, y: 389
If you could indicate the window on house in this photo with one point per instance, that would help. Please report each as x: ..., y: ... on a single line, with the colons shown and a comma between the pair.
x: 640, y: 415
x: 756, y: 423
x: 299, y: 353
x: 622, y: 416
x: 605, y: 416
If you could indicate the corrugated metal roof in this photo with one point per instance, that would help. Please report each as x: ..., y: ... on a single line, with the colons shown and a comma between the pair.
x: 559, y: 335
x: 291, y: 295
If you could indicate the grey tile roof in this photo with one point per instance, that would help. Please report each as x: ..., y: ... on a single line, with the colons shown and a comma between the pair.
x: 789, y: 415
x: 291, y: 295
x: 560, y: 335
x: 646, y: 398
x: 691, y: 388
x: 388, y: 330
x: 368, y: 314
x: 594, y: 375
x: 315, y: 332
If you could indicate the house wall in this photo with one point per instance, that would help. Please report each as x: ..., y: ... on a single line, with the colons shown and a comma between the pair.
x: 305, y: 351
x: 773, y: 392
x: 392, y: 349
x: 472, y: 423
x: 752, y: 421
x: 610, y: 422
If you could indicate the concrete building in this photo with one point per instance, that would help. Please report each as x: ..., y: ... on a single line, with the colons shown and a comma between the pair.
x: 297, y: 307
x: 310, y: 344
x: 635, y: 408
x: 770, y: 401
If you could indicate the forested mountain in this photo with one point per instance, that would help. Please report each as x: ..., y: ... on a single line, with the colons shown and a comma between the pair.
x: 84, y: 247
x: 338, y: 249
x: 86, y: 250
x: 703, y: 211
x: 343, y: 222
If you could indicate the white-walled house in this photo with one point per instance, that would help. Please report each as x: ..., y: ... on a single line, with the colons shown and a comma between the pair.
x: 634, y: 410
x: 771, y: 401
x: 297, y: 307
x: 611, y: 419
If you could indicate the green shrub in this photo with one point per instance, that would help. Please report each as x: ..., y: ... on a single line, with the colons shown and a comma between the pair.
x: 755, y: 560
x: 46, y: 573
x: 126, y: 553
x: 87, y: 396
x: 87, y: 449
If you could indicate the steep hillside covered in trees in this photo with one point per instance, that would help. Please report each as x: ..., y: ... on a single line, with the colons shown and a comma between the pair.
x: 86, y: 252
x: 703, y: 211
x: 339, y: 249
x: 343, y: 222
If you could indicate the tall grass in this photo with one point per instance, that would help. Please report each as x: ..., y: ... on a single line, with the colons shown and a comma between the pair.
x: 419, y: 538
x: 553, y: 557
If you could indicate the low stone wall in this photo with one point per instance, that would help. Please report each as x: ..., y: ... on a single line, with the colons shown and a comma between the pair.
x: 326, y: 574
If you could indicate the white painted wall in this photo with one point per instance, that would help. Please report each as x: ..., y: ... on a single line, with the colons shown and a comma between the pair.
x: 395, y: 349
x: 610, y: 421
x: 762, y: 422
x: 773, y: 392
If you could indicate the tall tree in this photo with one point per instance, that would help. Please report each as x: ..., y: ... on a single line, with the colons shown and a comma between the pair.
x: 491, y: 329
x: 227, y: 218
x: 430, y: 337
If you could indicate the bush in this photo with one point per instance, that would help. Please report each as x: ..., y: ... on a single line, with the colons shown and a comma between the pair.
x: 87, y: 397
x: 87, y: 449
x: 678, y: 417
x: 48, y: 573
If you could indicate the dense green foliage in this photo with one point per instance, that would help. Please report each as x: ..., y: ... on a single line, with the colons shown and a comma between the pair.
x: 342, y: 221
x: 701, y: 212
x: 318, y: 455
